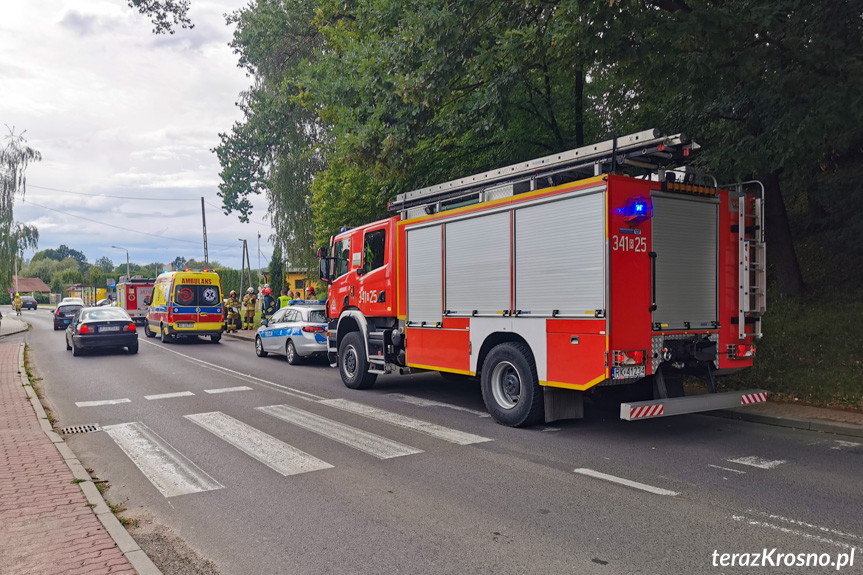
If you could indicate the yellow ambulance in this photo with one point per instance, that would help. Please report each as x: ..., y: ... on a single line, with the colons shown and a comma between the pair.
x: 186, y: 303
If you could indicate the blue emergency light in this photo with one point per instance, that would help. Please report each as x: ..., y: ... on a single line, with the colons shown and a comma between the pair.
x: 637, y: 210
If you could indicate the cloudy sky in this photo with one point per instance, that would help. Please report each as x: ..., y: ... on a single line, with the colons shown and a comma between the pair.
x: 118, y: 111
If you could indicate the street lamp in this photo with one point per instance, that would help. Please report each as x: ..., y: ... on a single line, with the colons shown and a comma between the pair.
x: 128, y: 275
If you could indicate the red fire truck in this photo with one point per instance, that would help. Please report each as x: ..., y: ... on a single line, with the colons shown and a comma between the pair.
x: 131, y: 293
x: 607, y: 269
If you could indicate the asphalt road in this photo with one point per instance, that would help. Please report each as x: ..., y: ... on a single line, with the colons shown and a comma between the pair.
x: 270, y: 491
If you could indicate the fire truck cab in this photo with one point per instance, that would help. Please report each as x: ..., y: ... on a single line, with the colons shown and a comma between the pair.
x: 603, y: 266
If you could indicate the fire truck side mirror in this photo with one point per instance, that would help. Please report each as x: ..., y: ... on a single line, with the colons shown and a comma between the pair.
x: 322, y: 253
x: 325, y: 270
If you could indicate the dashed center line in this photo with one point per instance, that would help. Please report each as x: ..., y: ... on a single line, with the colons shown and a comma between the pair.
x: 169, y: 395
x: 102, y: 402
x: 626, y: 482
x: 755, y: 461
x: 228, y: 389
x: 727, y: 469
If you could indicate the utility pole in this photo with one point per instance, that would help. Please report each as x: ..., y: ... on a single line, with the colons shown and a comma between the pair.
x: 128, y: 275
x: 259, y: 257
x: 204, y: 218
x: 243, y: 265
x: 16, y: 271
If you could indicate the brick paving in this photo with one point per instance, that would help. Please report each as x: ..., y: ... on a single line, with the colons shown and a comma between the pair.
x: 46, y: 525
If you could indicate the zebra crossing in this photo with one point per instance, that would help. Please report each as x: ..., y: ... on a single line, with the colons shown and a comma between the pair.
x: 173, y: 474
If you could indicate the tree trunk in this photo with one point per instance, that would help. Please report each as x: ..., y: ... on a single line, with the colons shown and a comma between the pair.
x: 779, y: 240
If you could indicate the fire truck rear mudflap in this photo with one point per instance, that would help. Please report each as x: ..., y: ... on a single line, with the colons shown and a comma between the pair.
x: 631, y: 411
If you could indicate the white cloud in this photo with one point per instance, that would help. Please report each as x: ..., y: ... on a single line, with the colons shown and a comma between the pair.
x: 117, y: 111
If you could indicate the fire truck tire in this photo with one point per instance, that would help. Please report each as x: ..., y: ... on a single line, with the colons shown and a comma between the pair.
x: 215, y: 338
x: 353, y: 365
x: 510, y: 386
x: 259, y: 347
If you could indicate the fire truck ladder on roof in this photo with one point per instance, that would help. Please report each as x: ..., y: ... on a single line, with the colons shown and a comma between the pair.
x: 647, y: 149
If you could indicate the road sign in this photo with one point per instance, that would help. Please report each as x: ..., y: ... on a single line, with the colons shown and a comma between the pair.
x: 111, y: 282
x: 11, y: 291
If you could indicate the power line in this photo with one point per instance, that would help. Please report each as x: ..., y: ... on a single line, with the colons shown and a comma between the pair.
x: 251, y: 220
x: 124, y: 229
x: 115, y: 197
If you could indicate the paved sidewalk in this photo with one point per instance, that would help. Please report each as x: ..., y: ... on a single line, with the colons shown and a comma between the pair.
x: 47, y: 524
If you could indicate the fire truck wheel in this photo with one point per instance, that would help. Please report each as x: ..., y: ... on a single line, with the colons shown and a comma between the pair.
x: 510, y: 386
x: 259, y: 347
x: 353, y: 364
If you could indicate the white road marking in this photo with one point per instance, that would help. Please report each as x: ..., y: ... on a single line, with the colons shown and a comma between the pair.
x: 103, y: 402
x: 754, y: 461
x: 549, y: 429
x: 380, y: 447
x: 229, y: 389
x: 167, y: 469
x: 626, y: 482
x: 844, y: 444
x: 727, y: 469
x: 437, y: 431
x: 275, y: 454
x: 795, y: 532
x: 239, y: 375
x: 432, y: 403
x: 169, y: 395
x: 803, y: 524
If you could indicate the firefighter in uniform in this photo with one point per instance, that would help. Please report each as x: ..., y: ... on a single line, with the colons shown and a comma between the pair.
x: 249, y: 302
x: 270, y: 305
x: 233, y: 305
x: 17, y: 303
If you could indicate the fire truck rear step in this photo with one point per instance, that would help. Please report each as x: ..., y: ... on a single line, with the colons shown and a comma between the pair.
x: 637, y: 410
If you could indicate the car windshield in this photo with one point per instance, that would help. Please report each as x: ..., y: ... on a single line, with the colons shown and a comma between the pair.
x: 104, y: 313
x: 67, y: 309
x: 28, y: 298
x: 188, y: 295
x: 317, y: 316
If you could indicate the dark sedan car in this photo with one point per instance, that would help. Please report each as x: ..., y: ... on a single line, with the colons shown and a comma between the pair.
x: 64, y: 313
x: 28, y: 302
x: 101, y: 327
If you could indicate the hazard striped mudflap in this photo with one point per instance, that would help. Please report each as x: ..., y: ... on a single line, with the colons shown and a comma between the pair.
x: 638, y: 410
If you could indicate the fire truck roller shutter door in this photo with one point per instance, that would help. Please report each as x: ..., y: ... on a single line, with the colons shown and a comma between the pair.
x: 560, y: 246
x: 425, y: 297
x: 478, y: 265
x: 684, y: 239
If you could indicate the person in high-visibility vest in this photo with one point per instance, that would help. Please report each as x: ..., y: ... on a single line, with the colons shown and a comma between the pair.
x: 284, y: 298
x: 233, y: 306
x: 250, y: 300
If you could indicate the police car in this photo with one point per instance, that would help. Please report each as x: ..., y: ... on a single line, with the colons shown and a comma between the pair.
x: 296, y: 331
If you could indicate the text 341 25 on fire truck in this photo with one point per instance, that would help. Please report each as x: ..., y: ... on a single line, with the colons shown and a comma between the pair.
x: 608, y: 266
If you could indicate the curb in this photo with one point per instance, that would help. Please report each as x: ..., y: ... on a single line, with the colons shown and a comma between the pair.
x: 127, y: 545
x: 240, y: 337
x: 791, y: 422
x: 21, y: 330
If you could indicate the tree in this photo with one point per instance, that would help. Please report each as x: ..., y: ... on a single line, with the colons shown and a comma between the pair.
x: 15, y: 237
x: 62, y: 253
x: 164, y: 14
x: 277, y: 271
x: 61, y: 281
x: 105, y: 264
x: 178, y: 263
x: 200, y: 265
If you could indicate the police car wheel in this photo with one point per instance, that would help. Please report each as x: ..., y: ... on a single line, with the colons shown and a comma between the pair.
x: 510, y: 386
x: 259, y: 347
x: 353, y: 365
x: 291, y: 353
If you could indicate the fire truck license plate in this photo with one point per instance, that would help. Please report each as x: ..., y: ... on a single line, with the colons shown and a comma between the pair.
x: 628, y: 372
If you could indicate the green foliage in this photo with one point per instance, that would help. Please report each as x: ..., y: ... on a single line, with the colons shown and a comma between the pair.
x: 15, y: 237
x: 277, y: 270
x: 165, y: 15
x: 62, y: 253
x: 64, y: 279
x: 105, y: 264
x: 179, y: 263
